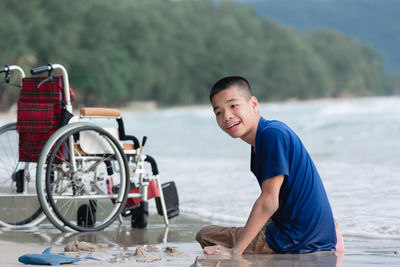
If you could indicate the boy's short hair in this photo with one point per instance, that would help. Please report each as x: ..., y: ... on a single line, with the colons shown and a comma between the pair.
x: 228, y: 82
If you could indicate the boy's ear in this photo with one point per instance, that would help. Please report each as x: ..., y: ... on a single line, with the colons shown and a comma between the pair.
x: 254, y: 103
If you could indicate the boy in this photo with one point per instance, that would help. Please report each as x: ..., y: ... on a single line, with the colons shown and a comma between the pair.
x: 292, y: 213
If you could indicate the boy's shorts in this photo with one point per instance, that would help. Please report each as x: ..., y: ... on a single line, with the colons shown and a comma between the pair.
x: 228, y: 236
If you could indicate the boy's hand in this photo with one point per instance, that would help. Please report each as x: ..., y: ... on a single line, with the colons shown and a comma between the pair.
x: 217, y: 249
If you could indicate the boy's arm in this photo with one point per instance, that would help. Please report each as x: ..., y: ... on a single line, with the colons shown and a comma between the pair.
x: 264, y: 207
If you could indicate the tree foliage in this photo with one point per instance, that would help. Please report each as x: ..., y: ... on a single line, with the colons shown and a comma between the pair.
x: 369, y: 21
x: 173, y: 51
x: 356, y: 69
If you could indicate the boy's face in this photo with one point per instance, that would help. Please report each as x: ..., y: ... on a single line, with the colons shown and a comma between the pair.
x: 236, y: 114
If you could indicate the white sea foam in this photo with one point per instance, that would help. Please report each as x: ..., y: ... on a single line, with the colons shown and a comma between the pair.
x: 215, y: 218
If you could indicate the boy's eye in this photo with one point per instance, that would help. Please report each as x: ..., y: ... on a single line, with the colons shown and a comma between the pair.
x: 233, y: 106
x: 218, y: 113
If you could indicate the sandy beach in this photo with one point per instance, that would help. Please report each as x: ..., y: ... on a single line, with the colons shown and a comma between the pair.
x: 119, y: 244
x: 185, y: 256
x: 111, y: 257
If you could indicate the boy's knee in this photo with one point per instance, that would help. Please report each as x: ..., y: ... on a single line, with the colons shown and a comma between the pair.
x: 203, y: 232
x: 201, y: 236
x: 206, y: 235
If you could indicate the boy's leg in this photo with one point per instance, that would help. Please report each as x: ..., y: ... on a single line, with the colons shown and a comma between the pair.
x: 228, y: 236
x: 340, y: 243
x: 216, y: 235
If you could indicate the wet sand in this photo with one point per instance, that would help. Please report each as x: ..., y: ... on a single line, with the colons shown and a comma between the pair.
x: 120, y: 242
x: 185, y: 256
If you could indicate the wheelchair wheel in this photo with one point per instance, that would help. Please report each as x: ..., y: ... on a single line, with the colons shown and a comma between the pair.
x: 139, y: 215
x: 86, y: 178
x: 19, y: 207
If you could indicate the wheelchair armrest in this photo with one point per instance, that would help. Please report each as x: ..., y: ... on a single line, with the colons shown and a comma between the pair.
x: 100, y: 112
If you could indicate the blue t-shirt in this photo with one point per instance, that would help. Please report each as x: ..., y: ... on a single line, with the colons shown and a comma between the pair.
x: 304, y: 221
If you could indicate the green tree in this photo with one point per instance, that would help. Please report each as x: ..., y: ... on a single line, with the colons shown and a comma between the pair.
x: 173, y: 51
x: 356, y: 69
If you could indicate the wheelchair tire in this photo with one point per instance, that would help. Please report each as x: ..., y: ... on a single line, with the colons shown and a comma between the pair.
x: 19, y: 207
x: 140, y: 215
x: 77, y: 181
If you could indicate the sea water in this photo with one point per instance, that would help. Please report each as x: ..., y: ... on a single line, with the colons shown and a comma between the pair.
x: 355, y: 144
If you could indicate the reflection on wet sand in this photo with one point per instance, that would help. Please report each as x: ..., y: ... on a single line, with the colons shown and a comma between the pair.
x: 120, y: 237
x: 121, y: 242
x: 326, y: 259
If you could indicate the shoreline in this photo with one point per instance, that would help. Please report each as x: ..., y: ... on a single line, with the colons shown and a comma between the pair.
x: 151, y: 106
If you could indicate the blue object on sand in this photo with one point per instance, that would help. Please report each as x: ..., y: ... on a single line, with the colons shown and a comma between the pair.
x: 46, y: 258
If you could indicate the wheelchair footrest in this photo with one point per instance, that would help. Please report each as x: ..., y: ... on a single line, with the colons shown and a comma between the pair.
x: 171, y: 200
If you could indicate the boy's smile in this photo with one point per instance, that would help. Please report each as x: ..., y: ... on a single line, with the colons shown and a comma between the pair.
x: 236, y: 114
x: 234, y: 126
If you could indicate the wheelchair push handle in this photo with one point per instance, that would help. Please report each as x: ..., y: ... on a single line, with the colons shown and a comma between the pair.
x: 41, y: 69
x: 50, y: 68
x: 4, y: 69
x: 7, y: 70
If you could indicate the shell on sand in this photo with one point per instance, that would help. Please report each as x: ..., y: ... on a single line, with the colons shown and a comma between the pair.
x: 77, y: 246
x: 140, y: 251
x: 170, y: 250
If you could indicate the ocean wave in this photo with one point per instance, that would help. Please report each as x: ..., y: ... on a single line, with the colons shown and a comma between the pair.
x: 213, y: 217
x: 368, y: 235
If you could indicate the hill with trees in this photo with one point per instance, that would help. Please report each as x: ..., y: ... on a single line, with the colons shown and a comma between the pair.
x: 369, y: 21
x: 173, y: 51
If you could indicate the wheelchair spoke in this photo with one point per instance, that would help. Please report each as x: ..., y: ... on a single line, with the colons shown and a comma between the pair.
x: 96, y: 164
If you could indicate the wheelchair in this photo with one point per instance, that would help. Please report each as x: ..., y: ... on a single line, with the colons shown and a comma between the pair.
x: 86, y: 176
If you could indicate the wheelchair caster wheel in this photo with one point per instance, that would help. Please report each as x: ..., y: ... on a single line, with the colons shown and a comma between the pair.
x: 139, y: 215
x: 19, y: 181
x: 86, y: 214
